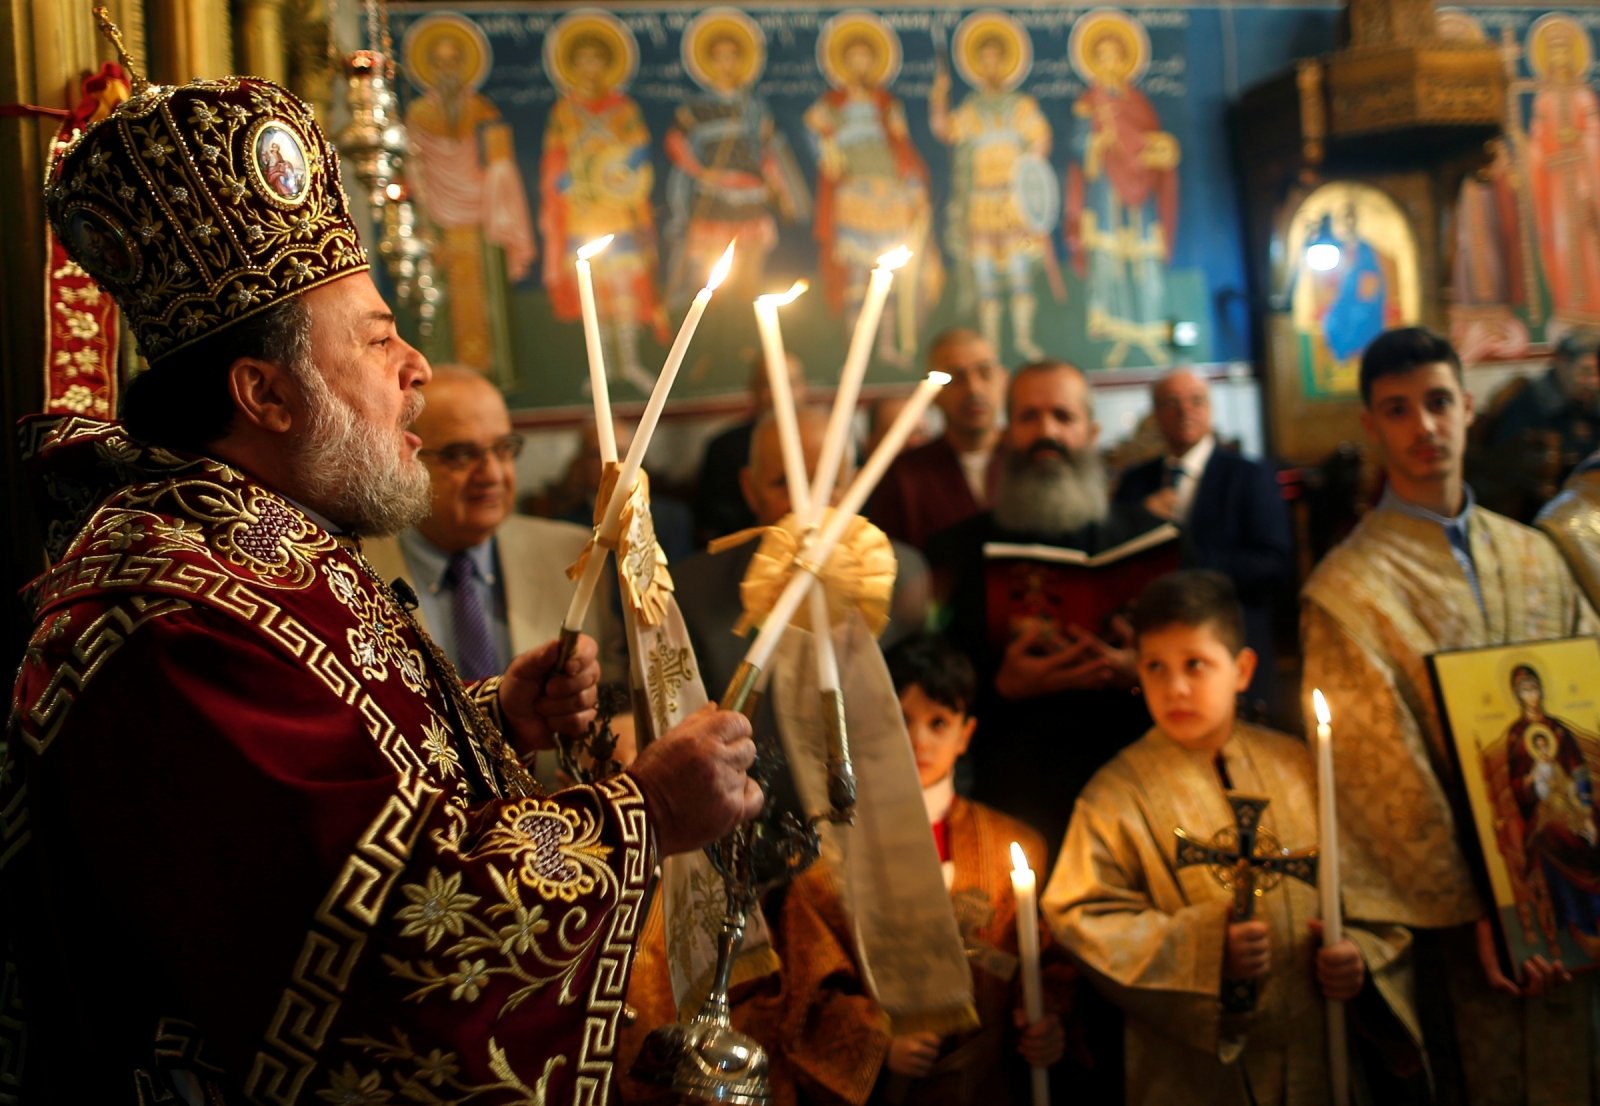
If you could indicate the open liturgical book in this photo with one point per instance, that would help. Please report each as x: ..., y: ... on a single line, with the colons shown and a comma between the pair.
x: 1058, y: 586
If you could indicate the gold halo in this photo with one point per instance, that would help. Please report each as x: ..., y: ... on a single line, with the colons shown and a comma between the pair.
x: 981, y: 27
x: 1100, y: 24
x: 1455, y: 25
x: 590, y: 23
x: 848, y: 28
x: 427, y: 32
x: 718, y: 23
x: 1548, y: 26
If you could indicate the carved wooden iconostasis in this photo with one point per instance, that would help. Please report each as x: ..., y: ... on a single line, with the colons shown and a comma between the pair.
x: 1472, y: 146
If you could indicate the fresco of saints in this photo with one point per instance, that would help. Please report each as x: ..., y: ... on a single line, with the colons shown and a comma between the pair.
x: 467, y: 179
x: 595, y: 179
x: 731, y: 166
x: 872, y: 184
x: 1564, y: 167
x: 1004, y: 197
x: 1554, y: 792
x: 1122, y: 190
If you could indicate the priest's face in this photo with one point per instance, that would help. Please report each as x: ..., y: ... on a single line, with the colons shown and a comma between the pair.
x: 1192, y: 682
x: 1419, y: 421
x: 939, y: 734
x: 470, y: 451
x: 354, y: 459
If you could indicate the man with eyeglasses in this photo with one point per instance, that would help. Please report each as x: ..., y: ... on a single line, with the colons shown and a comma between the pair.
x: 489, y: 583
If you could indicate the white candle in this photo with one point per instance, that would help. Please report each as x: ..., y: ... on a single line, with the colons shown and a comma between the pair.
x: 597, y: 358
x: 1024, y: 885
x: 1328, y: 885
x: 583, y: 594
x: 777, y: 364
x: 837, y: 437
x: 854, y: 499
x: 794, y: 464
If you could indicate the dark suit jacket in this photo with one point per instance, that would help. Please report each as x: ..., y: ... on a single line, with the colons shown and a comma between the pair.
x: 719, y: 506
x: 925, y: 491
x: 1238, y: 526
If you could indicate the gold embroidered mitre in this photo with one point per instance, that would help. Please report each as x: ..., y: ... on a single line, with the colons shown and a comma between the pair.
x: 200, y: 205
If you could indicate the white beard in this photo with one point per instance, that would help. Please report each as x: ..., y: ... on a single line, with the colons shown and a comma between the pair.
x: 352, y: 471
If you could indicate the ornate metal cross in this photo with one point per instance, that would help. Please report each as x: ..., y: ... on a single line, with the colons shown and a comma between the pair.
x: 1248, y: 861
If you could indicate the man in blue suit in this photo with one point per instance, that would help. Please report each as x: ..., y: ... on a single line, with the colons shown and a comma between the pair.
x: 1228, y: 507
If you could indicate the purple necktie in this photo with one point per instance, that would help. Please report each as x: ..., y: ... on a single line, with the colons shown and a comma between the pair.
x: 475, y: 655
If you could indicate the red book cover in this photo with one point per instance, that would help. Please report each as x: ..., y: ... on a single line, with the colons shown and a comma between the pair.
x: 1062, y: 587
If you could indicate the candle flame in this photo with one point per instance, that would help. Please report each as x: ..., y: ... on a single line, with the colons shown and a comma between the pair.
x: 589, y: 249
x: 939, y: 378
x: 1321, y: 706
x: 783, y: 299
x: 894, y: 258
x: 1019, y: 859
x: 719, y: 271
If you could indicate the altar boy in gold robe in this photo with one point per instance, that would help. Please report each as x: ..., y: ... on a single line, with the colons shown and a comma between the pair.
x: 1159, y: 938
x: 1430, y: 570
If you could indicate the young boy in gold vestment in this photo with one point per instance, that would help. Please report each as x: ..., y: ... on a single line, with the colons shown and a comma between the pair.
x: 1160, y: 939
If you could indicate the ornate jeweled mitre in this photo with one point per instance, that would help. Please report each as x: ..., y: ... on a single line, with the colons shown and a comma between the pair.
x: 200, y: 205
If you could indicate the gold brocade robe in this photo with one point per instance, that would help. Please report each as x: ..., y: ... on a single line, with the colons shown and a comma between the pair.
x: 1377, y: 606
x: 1572, y: 520
x: 1152, y: 935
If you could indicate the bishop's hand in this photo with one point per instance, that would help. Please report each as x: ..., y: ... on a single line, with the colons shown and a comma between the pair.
x: 538, y: 702
x: 695, y: 782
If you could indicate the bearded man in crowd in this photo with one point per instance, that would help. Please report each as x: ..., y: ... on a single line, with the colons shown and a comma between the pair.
x: 1056, y: 682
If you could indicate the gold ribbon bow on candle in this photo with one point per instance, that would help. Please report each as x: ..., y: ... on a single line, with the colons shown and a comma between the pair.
x: 641, y: 562
x: 858, y: 576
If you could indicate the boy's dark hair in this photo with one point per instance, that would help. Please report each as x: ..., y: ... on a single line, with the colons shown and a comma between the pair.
x: 1399, y: 351
x: 942, y: 671
x: 1192, y: 597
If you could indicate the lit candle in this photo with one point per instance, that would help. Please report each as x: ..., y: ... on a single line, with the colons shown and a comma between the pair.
x: 854, y: 499
x: 1328, y: 885
x: 597, y: 358
x: 777, y: 363
x: 837, y: 437
x: 583, y: 594
x: 1024, y: 884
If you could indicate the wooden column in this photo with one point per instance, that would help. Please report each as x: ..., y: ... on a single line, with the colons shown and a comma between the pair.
x: 259, y: 36
x: 46, y: 48
x: 188, y: 39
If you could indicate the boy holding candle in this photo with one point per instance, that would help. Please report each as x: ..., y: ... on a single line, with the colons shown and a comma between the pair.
x: 937, y: 686
x: 1159, y: 938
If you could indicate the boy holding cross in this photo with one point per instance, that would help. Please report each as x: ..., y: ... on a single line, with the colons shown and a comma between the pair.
x: 1174, y: 891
